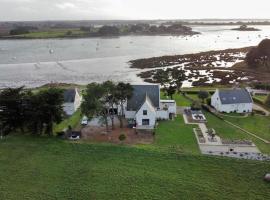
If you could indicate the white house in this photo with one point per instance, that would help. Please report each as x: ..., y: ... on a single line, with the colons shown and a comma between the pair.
x: 144, y: 108
x: 232, y: 100
x: 72, y: 101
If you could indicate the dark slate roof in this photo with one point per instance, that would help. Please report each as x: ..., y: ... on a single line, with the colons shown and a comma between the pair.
x: 69, y: 95
x: 139, y: 94
x: 235, y: 96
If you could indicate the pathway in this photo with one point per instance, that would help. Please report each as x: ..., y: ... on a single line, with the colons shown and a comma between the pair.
x: 217, y: 147
x: 252, y: 134
x: 258, y: 107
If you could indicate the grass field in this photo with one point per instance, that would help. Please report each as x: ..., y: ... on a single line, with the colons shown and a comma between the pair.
x: 261, y: 98
x: 72, y: 121
x: 176, y: 136
x: 180, y: 99
x: 54, y: 33
x: 47, y: 168
x: 255, y: 124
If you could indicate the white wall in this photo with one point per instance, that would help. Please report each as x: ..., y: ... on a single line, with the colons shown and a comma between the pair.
x: 170, y: 106
x: 227, y: 108
x: 151, y: 115
x: 162, y: 114
x: 239, y: 108
x: 77, y: 100
x: 130, y: 114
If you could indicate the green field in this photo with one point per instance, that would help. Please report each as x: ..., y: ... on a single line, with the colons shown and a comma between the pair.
x: 73, y: 121
x: 256, y: 124
x: 179, y: 98
x: 48, y: 168
x: 261, y: 98
x: 176, y: 136
x: 170, y: 168
x: 54, y: 33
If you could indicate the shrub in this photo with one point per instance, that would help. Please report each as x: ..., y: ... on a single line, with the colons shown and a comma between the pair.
x: 267, y: 101
x: 122, y: 137
x: 208, y: 101
x: 196, y: 105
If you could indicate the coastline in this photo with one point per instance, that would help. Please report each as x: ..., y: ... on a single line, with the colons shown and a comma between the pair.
x: 224, y: 67
x: 23, y: 37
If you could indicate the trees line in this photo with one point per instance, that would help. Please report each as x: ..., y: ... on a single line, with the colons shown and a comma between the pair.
x: 36, y: 112
x: 32, y: 112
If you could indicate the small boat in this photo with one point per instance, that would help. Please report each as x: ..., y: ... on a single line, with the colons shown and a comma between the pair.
x: 51, y: 51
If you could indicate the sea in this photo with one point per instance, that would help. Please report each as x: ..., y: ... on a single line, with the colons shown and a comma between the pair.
x: 32, y: 63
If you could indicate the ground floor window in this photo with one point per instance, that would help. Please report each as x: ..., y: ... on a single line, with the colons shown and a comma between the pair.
x: 145, y: 122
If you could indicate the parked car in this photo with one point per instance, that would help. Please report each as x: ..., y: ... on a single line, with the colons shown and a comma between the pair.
x: 84, y: 121
x: 75, y: 135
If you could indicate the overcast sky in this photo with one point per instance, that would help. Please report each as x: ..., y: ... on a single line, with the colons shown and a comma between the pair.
x: 131, y: 9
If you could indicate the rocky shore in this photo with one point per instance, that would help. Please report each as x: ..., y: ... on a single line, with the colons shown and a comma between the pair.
x: 225, y: 67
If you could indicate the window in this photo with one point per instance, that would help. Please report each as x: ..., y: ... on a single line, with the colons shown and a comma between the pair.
x: 144, y: 112
x: 145, y: 122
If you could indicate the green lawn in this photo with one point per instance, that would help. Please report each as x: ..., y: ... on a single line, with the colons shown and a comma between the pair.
x: 54, y: 33
x: 254, y: 124
x: 73, y: 121
x: 47, y: 168
x: 180, y: 99
x: 261, y: 98
x: 176, y: 135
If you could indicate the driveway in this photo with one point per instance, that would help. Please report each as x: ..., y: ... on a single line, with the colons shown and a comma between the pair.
x: 258, y: 107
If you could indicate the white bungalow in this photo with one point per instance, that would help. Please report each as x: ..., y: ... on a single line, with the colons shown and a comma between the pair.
x: 72, y: 101
x: 232, y: 100
x: 144, y: 108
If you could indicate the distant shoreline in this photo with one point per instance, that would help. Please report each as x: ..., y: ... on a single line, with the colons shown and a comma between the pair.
x: 92, y: 36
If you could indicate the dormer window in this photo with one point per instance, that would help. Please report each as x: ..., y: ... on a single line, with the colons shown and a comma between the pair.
x: 144, y: 112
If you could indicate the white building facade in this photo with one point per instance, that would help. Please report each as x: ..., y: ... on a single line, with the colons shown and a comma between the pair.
x: 144, y: 108
x: 72, y: 101
x: 234, y: 100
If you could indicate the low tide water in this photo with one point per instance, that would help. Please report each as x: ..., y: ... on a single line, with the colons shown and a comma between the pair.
x: 36, y: 62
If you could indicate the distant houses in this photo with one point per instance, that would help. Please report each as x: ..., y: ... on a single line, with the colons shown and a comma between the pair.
x: 145, y: 107
x: 72, y: 101
x: 232, y: 100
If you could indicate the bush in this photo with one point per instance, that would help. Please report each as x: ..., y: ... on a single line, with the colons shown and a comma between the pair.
x: 208, y: 101
x: 196, y: 105
x: 122, y: 137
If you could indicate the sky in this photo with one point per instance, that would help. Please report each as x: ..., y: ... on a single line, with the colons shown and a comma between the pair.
x: 22, y: 10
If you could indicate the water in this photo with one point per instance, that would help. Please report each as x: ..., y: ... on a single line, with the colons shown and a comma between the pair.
x: 31, y: 62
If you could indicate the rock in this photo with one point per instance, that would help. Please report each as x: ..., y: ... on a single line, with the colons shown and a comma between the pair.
x: 267, y: 177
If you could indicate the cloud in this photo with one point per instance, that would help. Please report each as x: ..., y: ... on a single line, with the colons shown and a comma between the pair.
x: 64, y: 6
x: 131, y: 9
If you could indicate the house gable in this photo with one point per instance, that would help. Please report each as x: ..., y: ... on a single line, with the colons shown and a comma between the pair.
x: 138, y: 96
x: 146, y: 115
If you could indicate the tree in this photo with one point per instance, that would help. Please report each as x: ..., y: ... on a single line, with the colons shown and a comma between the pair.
x: 12, y: 108
x: 110, y: 99
x: 108, y: 30
x: 259, y: 55
x: 203, y: 95
x: 196, y: 105
x: 69, y: 33
x: 95, y: 104
x: 123, y: 93
x: 171, y: 91
x: 50, y: 108
x: 178, y: 77
x: 85, y: 28
x: 267, y: 101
